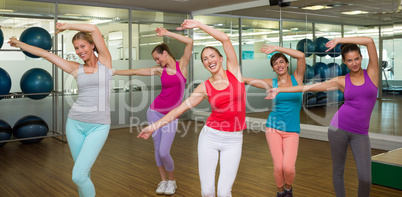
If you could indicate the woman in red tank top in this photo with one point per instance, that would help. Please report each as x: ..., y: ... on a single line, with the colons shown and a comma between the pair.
x: 222, y: 136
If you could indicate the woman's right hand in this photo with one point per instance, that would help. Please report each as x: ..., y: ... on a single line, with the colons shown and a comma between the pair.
x: 189, y: 24
x: 14, y: 42
x: 146, y: 132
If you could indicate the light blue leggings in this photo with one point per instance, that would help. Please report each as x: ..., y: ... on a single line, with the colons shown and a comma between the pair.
x: 85, y: 141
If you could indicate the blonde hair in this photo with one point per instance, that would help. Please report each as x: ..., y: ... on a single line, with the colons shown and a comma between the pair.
x: 85, y: 36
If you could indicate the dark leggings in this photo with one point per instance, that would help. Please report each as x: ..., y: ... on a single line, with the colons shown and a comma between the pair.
x: 360, y: 144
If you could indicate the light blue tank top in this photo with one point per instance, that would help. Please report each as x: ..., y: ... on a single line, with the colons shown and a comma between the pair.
x: 93, y: 102
x: 285, y: 115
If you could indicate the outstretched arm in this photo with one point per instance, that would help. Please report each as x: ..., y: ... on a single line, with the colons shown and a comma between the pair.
x: 156, y: 70
x: 372, y: 67
x: 195, y: 98
x: 232, y: 62
x: 259, y: 83
x: 337, y: 83
x: 104, y: 55
x: 67, y: 66
x: 301, y: 61
x: 185, y: 59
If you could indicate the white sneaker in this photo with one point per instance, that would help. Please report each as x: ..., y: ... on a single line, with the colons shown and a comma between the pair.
x: 161, y: 187
x: 170, y: 188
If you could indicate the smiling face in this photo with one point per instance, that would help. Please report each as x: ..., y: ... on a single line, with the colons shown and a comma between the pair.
x: 353, y: 60
x: 160, y: 58
x: 211, y: 59
x: 280, y: 66
x: 83, y: 49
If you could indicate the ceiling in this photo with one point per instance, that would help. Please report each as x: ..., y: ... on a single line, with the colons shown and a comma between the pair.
x: 380, y: 12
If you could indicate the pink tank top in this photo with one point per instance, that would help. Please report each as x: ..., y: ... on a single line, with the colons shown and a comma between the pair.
x: 228, y: 106
x: 354, y: 115
x: 172, y: 92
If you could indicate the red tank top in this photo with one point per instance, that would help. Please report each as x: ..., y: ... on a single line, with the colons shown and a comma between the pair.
x: 228, y: 105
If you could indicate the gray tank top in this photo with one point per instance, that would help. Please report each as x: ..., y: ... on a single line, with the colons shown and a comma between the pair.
x: 93, y: 102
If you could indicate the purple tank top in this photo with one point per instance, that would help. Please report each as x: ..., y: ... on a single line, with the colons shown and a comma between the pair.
x: 354, y: 115
x: 172, y: 92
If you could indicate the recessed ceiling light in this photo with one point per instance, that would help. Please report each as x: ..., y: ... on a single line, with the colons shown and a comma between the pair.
x: 5, y: 10
x: 356, y: 12
x: 181, y: 0
x: 316, y: 7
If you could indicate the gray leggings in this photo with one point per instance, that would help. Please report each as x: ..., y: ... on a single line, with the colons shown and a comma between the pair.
x: 360, y: 144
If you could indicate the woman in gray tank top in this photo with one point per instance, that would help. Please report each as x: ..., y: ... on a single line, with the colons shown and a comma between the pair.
x: 88, y: 121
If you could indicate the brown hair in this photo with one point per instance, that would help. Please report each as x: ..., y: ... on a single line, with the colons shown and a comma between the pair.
x: 346, y: 48
x: 163, y: 47
x: 276, y: 56
x: 85, y: 36
x: 213, y: 48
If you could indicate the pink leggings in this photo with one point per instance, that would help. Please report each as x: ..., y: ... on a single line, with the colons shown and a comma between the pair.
x: 283, y: 147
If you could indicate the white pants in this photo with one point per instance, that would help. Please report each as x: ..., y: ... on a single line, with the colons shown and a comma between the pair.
x: 211, y: 143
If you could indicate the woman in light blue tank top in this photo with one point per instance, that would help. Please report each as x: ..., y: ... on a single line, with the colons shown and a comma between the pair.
x: 173, y: 78
x: 283, y: 123
x: 350, y: 124
x: 88, y: 121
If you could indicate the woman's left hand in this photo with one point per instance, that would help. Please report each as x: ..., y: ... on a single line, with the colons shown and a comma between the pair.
x: 267, y: 49
x: 61, y: 27
x: 160, y: 31
x: 272, y: 93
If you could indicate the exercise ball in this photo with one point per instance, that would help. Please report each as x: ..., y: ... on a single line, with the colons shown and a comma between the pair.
x: 345, y: 69
x: 334, y: 70
x: 320, y: 47
x: 335, y: 96
x: 36, y: 80
x: 30, y: 126
x: 5, y: 83
x: 306, y: 46
x: 321, y: 70
x: 321, y: 97
x: 309, y: 73
x: 1, y: 38
x: 309, y: 99
x: 336, y: 51
x: 36, y: 36
x: 5, y: 132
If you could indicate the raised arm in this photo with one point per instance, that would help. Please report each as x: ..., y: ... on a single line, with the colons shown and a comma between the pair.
x: 372, y: 67
x: 337, y: 83
x: 298, y: 55
x: 195, y: 98
x: 185, y: 59
x: 104, y: 55
x: 156, y: 70
x: 258, y: 83
x: 67, y: 66
x: 231, y: 61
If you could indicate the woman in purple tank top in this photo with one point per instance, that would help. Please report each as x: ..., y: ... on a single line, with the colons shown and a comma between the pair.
x: 350, y: 124
x: 173, y: 78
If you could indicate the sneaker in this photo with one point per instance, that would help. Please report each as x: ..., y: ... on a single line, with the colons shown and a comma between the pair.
x: 170, y: 188
x: 280, y: 194
x: 161, y: 187
x: 289, y: 193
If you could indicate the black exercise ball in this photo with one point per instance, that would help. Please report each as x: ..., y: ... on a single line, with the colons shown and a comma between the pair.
x: 36, y: 80
x: 38, y: 37
x: 30, y: 126
x: 5, y: 132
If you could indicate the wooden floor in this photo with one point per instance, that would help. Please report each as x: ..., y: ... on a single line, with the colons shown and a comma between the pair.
x: 126, y: 167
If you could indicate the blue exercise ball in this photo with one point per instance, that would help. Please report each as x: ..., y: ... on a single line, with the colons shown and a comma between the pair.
x: 36, y: 36
x: 30, y: 126
x: 1, y: 38
x: 309, y: 73
x: 320, y: 47
x: 5, y: 132
x: 309, y: 99
x: 306, y: 46
x: 345, y: 69
x: 5, y: 83
x: 336, y: 51
x: 321, y: 97
x: 36, y: 80
x: 334, y: 70
x: 335, y: 96
x: 321, y: 70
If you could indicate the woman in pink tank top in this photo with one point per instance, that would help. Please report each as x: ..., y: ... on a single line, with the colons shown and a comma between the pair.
x: 222, y: 136
x: 350, y: 124
x: 173, y: 76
